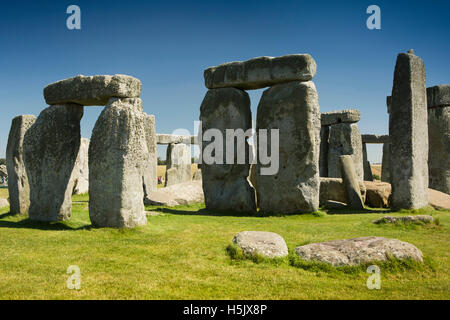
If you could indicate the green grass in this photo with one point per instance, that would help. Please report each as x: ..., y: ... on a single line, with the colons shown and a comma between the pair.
x: 185, y: 253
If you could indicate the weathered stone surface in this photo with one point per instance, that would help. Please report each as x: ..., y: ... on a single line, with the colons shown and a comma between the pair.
x: 439, y: 148
x: 18, y: 186
x: 408, y: 130
x: 341, y: 116
x: 50, y: 149
x: 334, y: 189
x: 3, y: 203
x: 225, y: 185
x: 261, y: 72
x: 351, y: 182
x: 293, y: 109
x: 92, y: 90
x: 388, y: 103
x: 323, y: 158
x: 405, y: 219
x: 149, y: 178
x: 438, y: 96
x: 80, y: 173
x: 178, y: 164
x: 439, y: 200
x: 117, y: 158
x: 178, y: 194
x: 385, y: 164
x: 173, y: 138
x: 331, y: 204
x: 377, y: 194
x: 267, y: 244
x: 351, y: 252
x: 345, y: 139
x: 197, y: 175
x: 367, y: 169
x: 374, y: 138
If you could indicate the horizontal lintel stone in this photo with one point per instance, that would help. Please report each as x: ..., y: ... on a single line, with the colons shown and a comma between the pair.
x: 341, y: 116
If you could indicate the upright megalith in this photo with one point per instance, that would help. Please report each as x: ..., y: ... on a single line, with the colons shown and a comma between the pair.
x: 225, y: 185
x: 385, y: 163
x: 439, y: 137
x: 178, y: 164
x: 351, y: 183
x: 50, y: 150
x: 376, y: 139
x: 323, y: 158
x: 368, y: 176
x: 408, y: 131
x: 18, y: 186
x: 80, y: 174
x: 293, y: 109
x: 149, y: 178
x: 117, y: 159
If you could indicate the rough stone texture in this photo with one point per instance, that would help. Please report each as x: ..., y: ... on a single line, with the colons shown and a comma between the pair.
x: 408, y: 130
x: 341, y: 116
x: 50, y: 149
x: 267, y: 244
x: 293, y: 108
x: 438, y: 96
x: 173, y: 138
x: 117, y: 158
x: 225, y: 185
x: 197, y: 175
x: 351, y: 252
x: 178, y: 194
x: 351, y: 182
x: 439, y: 148
x: 345, y: 139
x: 388, y: 103
x: 149, y: 178
x: 331, y: 204
x: 377, y: 194
x: 323, y: 158
x: 178, y: 164
x: 80, y: 173
x: 385, y: 164
x: 18, y: 186
x: 367, y: 169
x: 439, y: 200
x: 334, y: 189
x: 261, y: 72
x: 92, y: 90
x: 375, y: 138
x: 405, y: 219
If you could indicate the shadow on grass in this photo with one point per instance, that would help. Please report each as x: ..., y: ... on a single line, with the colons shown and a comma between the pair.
x: 39, y: 225
x: 203, y: 212
x: 356, y: 211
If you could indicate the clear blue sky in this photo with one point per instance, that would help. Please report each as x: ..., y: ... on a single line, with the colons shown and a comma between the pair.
x: 168, y: 44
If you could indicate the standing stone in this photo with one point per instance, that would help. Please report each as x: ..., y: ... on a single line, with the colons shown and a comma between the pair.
x: 439, y: 148
x: 323, y: 159
x: 293, y: 108
x: 385, y: 166
x: 178, y: 164
x: 149, y: 178
x: 225, y: 186
x: 345, y: 139
x: 18, y: 186
x: 351, y: 182
x: 50, y: 150
x: 117, y: 156
x: 80, y: 174
x: 367, y: 169
x: 408, y: 131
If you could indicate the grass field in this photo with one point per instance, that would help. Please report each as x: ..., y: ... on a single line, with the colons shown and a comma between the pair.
x: 181, y: 254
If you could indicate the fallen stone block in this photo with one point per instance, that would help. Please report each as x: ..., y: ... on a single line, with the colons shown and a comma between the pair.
x: 405, y: 219
x: 179, y: 194
x: 267, y: 244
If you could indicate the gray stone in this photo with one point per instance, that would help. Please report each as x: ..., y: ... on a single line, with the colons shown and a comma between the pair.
x: 405, y: 219
x: 341, y: 116
x: 368, y: 176
x: 267, y: 244
x: 173, y: 138
x: 388, y: 103
x: 351, y: 252
x: 225, y: 185
x: 178, y: 194
x: 334, y: 189
x: 149, y: 178
x: 345, y: 139
x: 377, y: 194
x: 439, y: 200
x: 92, y: 90
x: 293, y: 108
x: 18, y: 186
x: 50, y: 149
x: 323, y: 158
x: 375, y: 138
x: 261, y: 72
x: 80, y: 173
x: 331, y: 204
x: 439, y: 148
x: 117, y: 158
x: 351, y: 183
x: 408, y: 130
x: 178, y: 164
x: 438, y: 96
x: 3, y: 203
x: 385, y: 164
